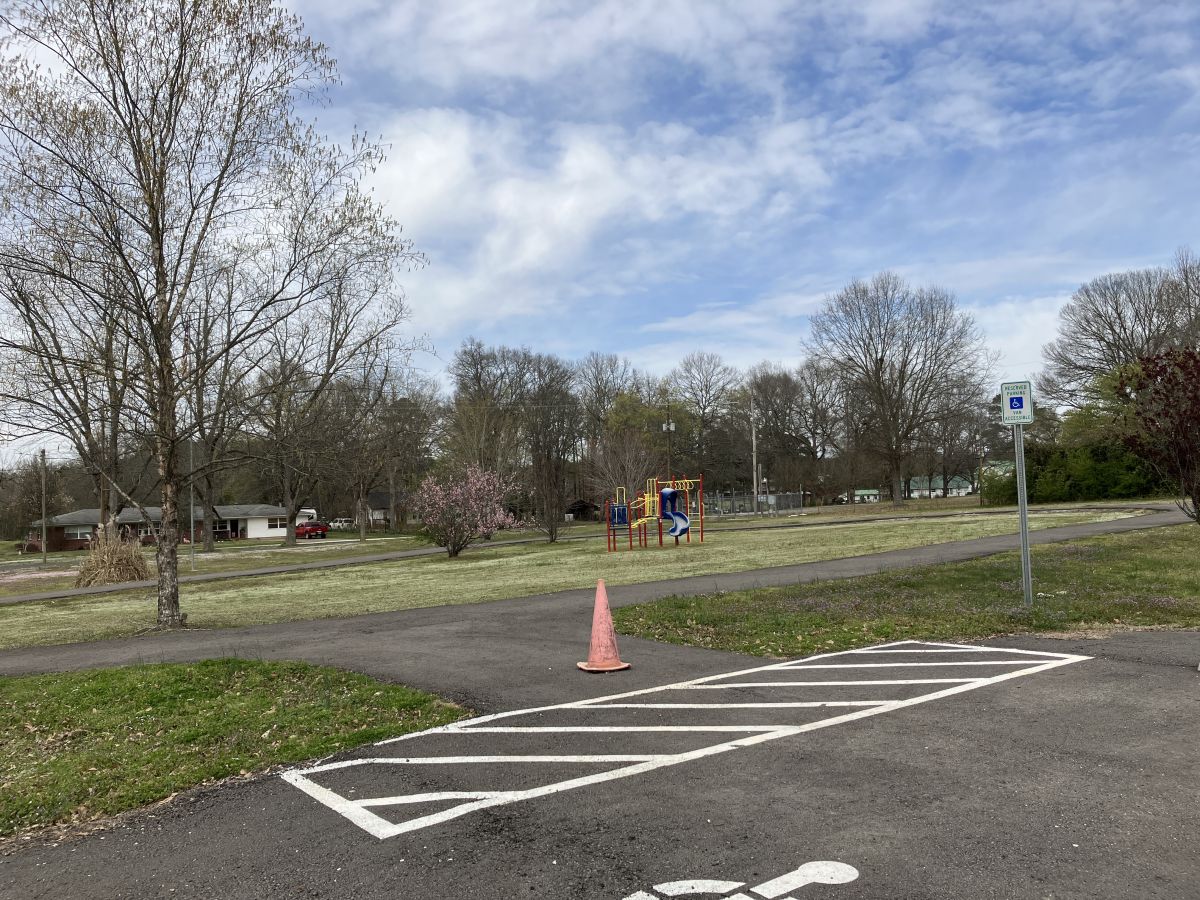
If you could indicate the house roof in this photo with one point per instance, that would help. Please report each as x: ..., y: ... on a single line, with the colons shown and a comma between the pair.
x: 249, y: 510
x: 133, y: 516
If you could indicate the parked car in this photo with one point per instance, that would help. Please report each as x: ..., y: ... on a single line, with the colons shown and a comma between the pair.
x: 342, y: 524
x: 311, y: 529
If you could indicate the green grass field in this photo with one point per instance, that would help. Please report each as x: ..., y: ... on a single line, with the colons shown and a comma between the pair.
x: 1143, y: 578
x: 481, y: 575
x: 21, y: 574
x: 84, y: 745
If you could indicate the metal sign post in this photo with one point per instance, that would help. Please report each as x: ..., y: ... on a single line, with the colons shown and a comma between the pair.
x: 1016, y: 402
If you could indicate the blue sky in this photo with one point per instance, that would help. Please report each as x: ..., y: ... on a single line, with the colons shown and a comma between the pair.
x: 651, y: 178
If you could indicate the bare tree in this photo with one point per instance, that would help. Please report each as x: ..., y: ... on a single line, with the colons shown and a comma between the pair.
x: 899, y: 348
x: 417, y: 416
x: 599, y: 380
x: 21, y: 496
x: 490, y: 386
x: 1184, y: 288
x: 315, y: 362
x: 621, y: 459
x: 704, y: 383
x: 817, y: 406
x: 155, y: 145
x: 64, y: 374
x: 1114, y: 320
x: 782, y: 447
x: 361, y: 424
x: 552, y: 424
x: 216, y: 404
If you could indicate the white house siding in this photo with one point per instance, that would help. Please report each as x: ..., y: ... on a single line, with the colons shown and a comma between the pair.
x: 256, y: 527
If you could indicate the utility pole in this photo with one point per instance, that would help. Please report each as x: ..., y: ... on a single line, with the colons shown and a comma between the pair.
x: 392, y: 517
x: 192, y: 498
x: 43, y: 506
x: 981, y: 452
x: 669, y: 428
x: 753, y: 455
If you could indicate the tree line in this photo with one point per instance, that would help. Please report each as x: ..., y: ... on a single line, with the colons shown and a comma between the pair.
x: 897, y: 386
x: 199, y: 292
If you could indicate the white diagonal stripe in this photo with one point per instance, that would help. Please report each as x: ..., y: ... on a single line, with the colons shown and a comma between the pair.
x: 630, y: 765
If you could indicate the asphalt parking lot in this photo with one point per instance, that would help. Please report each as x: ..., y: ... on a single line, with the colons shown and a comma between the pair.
x: 1032, y: 768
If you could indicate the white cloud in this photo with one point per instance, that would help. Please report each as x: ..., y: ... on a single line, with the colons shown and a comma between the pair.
x: 1017, y: 330
x: 640, y: 172
x: 518, y: 219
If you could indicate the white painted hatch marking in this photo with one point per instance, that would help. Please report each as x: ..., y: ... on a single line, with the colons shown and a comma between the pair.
x: 818, y: 872
x: 619, y: 713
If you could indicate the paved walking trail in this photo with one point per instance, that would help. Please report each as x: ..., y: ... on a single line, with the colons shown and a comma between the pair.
x: 477, y: 653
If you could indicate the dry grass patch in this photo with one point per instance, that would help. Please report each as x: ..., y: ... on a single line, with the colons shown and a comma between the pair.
x: 485, y: 574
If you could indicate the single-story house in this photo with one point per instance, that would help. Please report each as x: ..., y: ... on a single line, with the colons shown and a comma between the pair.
x: 925, y: 487
x: 582, y: 511
x: 379, y: 507
x: 76, y: 530
x: 862, y: 495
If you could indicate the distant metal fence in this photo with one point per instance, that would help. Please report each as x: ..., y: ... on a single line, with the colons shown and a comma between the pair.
x: 732, y: 503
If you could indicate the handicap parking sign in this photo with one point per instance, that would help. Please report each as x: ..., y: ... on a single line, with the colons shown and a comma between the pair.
x: 1016, y: 406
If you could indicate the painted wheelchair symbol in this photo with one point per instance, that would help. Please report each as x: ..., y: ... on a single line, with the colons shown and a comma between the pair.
x: 818, y: 872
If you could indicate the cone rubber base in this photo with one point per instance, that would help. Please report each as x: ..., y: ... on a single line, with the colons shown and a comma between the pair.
x: 615, y: 667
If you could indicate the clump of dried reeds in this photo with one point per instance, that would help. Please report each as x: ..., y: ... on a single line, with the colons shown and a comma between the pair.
x: 113, y: 560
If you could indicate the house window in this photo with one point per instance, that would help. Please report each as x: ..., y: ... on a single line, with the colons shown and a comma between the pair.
x: 78, y: 533
x: 277, y: 522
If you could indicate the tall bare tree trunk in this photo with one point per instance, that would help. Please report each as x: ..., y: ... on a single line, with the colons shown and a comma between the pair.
x: 393, y: 507
x: 167, y: 552
x: 293, y: 509
x: 207, y: 523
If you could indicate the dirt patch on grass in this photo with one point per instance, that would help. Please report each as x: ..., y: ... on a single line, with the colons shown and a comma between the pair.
x: 1099, y: 631
x: 16, y: 577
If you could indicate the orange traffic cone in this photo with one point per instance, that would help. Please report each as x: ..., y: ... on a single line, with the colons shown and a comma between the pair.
x: 602, y: 654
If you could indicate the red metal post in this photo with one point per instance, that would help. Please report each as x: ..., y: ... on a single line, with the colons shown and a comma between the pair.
x: 687, y: 508
x: 658, y: 503
x: 629, y: 519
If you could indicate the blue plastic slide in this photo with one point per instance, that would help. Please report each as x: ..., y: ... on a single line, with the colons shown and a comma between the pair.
x: 682, y: 524
x: 668, y: 501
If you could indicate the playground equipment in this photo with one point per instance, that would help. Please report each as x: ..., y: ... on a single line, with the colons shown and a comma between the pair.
x: 663, y: 501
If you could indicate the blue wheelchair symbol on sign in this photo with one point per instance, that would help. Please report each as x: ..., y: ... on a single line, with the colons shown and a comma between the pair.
x: 1016, y: 402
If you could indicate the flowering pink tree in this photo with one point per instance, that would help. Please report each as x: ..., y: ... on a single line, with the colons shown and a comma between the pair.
x: 458, y: 510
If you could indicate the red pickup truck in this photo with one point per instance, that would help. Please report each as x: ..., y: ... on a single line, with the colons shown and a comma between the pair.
x: 311, y: 529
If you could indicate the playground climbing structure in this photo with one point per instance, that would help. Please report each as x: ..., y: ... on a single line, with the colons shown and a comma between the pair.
x: 672, y: 505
